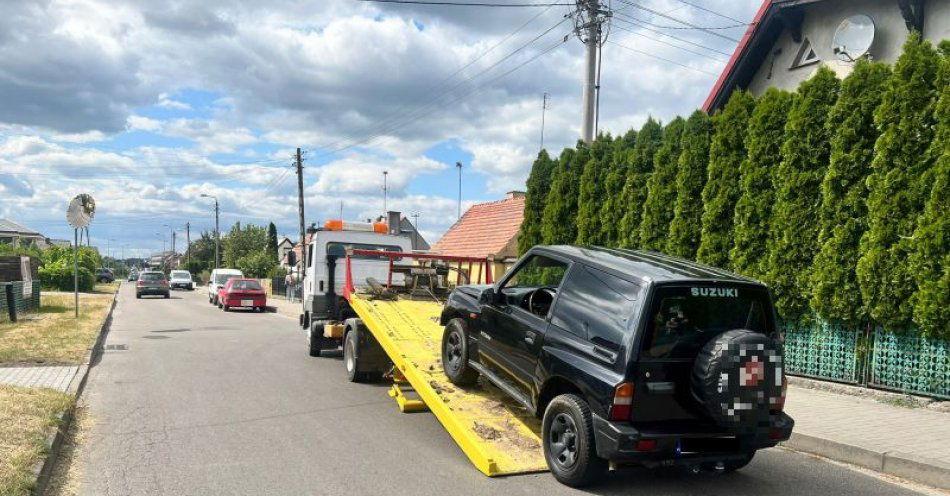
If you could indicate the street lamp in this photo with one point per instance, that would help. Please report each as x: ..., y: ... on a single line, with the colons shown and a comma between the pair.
x: 217, y: 232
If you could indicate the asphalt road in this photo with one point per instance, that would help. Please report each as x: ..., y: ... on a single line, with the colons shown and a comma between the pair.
x: 207, y: 402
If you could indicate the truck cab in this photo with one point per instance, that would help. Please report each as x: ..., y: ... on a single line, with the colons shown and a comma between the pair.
x: 324, y: 275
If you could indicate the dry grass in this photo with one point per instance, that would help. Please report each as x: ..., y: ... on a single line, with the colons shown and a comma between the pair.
x: 27, y: 417
x: 66, y: 478
x: 52, y: 335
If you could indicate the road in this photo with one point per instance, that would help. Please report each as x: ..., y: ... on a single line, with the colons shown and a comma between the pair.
x: 207, y: 402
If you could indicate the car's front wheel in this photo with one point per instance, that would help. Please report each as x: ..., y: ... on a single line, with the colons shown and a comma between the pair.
x: 455, y: 354
x: 568, y: 440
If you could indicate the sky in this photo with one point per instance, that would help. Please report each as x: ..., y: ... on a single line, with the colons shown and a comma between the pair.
x: 148, y: 104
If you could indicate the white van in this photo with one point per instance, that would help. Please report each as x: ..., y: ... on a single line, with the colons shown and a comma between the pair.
x: 219, y: 277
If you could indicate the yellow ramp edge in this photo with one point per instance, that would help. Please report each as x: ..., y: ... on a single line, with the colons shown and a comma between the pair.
x: 497, y: 436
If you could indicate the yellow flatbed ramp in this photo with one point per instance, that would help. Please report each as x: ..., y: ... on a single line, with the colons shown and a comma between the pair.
x: 496, y: 435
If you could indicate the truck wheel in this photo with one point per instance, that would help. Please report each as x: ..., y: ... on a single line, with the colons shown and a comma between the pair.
x: 455, y: 354
x: 315, y: 336
x: 568, y: 439
x: 351, y: 359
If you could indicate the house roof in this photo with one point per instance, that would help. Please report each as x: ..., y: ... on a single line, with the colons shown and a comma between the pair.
x: 7, y: 225
x: 485, y: 229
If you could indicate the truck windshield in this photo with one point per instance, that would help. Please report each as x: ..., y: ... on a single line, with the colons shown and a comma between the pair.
x: 683, y: 318
x: 339, y: 250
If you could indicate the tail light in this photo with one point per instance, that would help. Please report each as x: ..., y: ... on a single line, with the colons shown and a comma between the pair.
x: 778, y: 404
x: 623, y: 401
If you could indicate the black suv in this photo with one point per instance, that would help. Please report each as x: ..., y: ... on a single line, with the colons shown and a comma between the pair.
x: 629, y: 357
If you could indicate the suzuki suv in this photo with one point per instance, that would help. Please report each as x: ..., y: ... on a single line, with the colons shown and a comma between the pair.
x: 628, y: 357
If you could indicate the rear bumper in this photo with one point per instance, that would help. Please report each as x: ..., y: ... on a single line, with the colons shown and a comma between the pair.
x: 151, y: 291
x: 237, y: 302
x: 183, y: 285
x: 617, y: 441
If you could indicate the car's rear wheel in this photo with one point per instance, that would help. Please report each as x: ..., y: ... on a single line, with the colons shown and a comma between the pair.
x: 568, y: 440
x: 167, y: 295
x: 455, y: 354
x: 138, y: 296
x: 226, y: 308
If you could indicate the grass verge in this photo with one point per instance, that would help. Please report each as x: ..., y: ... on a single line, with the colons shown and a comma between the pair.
x: 66, y: 477
x: 27, y: 417
x: 52, y: 335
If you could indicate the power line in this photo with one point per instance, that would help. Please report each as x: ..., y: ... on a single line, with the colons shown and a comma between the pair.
x: 705, y: 9
x: 647, y: 26
x: 670, y: 44
x: 681, y: 21
x: 468, y: 4
x: 648, y: 54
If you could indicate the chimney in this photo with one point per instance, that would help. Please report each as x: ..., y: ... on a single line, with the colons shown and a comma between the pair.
x: 394, y: 219
x: 512, y: 195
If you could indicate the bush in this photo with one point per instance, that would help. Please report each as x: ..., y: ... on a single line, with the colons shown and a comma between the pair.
x: 726, y: 153
x: 538, y: 185
x: 58, y: 275
x: 756, y: 189
x: 843, y: 213
x: 685, y: 228
x: 897, y: 188
x: 797, y: 191
x: 610, y: 210
x: 661, y: 189
x: 634, y: 192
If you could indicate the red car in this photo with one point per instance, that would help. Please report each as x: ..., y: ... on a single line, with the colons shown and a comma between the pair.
x: 246, y: 293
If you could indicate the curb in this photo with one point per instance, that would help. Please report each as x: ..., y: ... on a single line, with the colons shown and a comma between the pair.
x: 912, y: 467
x: 43, y: 470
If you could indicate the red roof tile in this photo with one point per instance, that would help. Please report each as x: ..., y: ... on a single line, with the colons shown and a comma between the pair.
x: 485, y: 229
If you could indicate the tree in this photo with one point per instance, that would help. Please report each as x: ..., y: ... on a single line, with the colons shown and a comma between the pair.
x: 615, y: 176
x: 272, y: 240
x: 661, y: 189
x: 257, y: 264
x: 559, y: 224
x: 930, y: 258
x: 241, y: 242
x: 591, y: 192
x: 798, y: 177
x: 635, y: 188
x: 897, y: 188
x: 686, y: 226
x: 843, y: 212
x: 538, y: 185
x: 756, y: 190
x: 726, y: 153
x: 200, y: 253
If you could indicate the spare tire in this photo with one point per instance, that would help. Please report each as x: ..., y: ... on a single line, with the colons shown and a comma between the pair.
x: 736, y: 377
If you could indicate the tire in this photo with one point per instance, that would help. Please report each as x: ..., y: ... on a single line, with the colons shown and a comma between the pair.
x: 167, y: 295
x: 351, y: 358
x: 225, y: 308
x: 455, y: 355
x: 567, y: 432
x: 731, y: 465
x: 315, y: 338
x: 138, y: 296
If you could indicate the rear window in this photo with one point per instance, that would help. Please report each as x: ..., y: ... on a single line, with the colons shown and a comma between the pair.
x: 180, y: 274
x: 245, y: 285
x: 153, y: 276
x: 339, y: 250
x: 682, y: 319
x: 223, y: 278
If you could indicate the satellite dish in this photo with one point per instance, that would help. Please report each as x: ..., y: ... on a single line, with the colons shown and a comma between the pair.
x: 81, y: 210
x: 853, y: 38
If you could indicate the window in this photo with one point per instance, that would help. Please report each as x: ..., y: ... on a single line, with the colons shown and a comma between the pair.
x: 806, y: 55
x: 223, y: 278
x: 339, y: 249
x: 244, y: 285
x: 597, y: 306
x: 153, y: 276
x: 539, y: 271
x: 180, y: 274
x: 682, y: 319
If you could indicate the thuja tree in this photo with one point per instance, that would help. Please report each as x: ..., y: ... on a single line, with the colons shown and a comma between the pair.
x: 726, y: 153
x: 843, y: 213
x: 559, y: 224
x: 756, y: 194
x: 661, y: 189
x: 538, y: 185
x: 897, y: 192
x: 615, y: 177
x: 930, y: 258
x: 635, y: 188
x: 591, y: 194
x: 686, y: 226
x: 797, y: 180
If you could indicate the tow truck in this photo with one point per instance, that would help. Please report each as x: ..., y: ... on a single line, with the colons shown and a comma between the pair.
x: 366, y: 292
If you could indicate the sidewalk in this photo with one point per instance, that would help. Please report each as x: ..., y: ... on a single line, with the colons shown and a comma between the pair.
x: 52, y: 377
x: 913, y: 443
x: 281, y: 305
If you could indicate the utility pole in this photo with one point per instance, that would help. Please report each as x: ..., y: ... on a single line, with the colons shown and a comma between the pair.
x: 303, y: 232
x: 588, y: 27
x: 544, y: 108
x: 385, y: 191
x: 188, y: 243
x: 217, y: 230
x: 458, y: 165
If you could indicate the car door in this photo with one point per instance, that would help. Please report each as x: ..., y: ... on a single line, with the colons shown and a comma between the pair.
x: 512, y: 335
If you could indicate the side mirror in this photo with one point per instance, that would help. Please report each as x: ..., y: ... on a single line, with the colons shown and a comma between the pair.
x: 490, y: 297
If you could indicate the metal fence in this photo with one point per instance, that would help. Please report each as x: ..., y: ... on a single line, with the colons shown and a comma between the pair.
x: 22, y: 302
x: 899, y: 361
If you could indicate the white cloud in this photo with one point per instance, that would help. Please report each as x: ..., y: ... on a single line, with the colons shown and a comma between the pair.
x: 137, y: 122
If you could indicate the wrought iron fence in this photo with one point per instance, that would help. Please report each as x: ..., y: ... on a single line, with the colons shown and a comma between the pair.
x: 909, y: 362
x: 823, y: 350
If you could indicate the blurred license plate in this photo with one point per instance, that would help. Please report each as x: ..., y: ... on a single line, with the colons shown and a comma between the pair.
x: 247, y: 303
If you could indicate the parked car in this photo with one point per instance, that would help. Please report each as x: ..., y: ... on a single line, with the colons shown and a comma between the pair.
x: 152, y: 282
x: 181, y: 279
x: 217, y: 280
x: 244, y: 293
x: 133, y: 275
x: 628, y: 357
x: 104, y: 275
